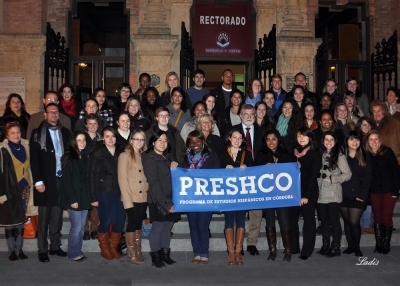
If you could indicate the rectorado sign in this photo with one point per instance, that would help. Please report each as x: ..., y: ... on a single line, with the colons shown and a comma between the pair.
x: 268, y: 186
x: 223, y: 31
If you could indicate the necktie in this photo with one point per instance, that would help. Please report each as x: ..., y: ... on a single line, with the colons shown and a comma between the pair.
x: 248, y: 140
x: 57, y: 148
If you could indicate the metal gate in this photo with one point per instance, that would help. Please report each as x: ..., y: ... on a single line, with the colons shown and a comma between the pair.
x: 384, y: 67
x: 265, y: 57
x: 56, y: 62
x: 186, y: 58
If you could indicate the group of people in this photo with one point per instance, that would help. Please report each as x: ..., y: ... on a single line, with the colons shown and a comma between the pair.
x: 115, y: 165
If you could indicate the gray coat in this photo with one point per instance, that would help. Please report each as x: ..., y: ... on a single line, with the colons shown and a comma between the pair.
x: 332, y: 192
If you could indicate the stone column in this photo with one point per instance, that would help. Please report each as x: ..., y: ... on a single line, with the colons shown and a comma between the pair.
x: 265, y: 17
x: 155, y: 19
x: 23, y: 55
x: 180, y: 12
x: 296, y: 45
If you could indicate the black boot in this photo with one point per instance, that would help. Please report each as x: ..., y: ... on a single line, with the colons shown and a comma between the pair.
x: 378, y: 238
x: 388, y: 235
x: 335, y: 250
x: 156, y: 259
x: 165, y: 252
x: 324, y: 248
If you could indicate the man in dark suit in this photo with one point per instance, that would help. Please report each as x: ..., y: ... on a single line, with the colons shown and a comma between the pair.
x: 223, y: 93
x: 253, y: 135
x: 47, y: 145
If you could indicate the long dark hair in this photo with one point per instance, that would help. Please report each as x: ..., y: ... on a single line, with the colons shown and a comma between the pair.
x: 296, y: 121
x: 214, y: 111
x: 228, y: 136
x: 73, y: 152
x: 265, y: 121
x: 280, y: 150
x: 154, y: 137
x: 360, y: 152
x: 145, y: 103
x: 334, y: 153
x: 182, y: 92
x: 11, y: 96
x: 305, y: 131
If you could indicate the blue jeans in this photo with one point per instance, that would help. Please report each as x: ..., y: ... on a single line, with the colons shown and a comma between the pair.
x: 75, y: 237
x: 199, y: 234
x: 235, y: 216
x: 111, y: 212
x: 366, y: 220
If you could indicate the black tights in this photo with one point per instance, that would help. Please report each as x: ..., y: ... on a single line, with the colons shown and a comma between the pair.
x: 352, y: 227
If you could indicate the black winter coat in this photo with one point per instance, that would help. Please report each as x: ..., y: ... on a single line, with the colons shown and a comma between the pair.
x: 385, y: 174
x: 157, y: 171
x: 43, y: 166
x: 102, y: 171
x: 10, y: 116
x: 310, y: 165
x: 11, y: 211
x: 220, y: 103
x: 360, y: 181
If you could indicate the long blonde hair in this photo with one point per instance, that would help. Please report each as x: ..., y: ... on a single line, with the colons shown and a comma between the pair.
x: 167, y: 89
x: 130, y: 145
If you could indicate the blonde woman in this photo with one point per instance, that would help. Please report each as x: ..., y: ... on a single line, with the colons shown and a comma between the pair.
x: 205, y: 124
x: 172, y: 81
x: 134, y: 187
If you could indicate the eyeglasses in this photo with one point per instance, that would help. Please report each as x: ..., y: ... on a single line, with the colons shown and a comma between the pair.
x: 13, y: 123
x: 125, y: 90
x: 163, y: 116
x: 52, y: 99
x: 138, y: 139
x: 53, y: 112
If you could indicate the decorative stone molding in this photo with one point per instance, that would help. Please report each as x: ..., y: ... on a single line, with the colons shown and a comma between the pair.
x: 154, y: 45
x: 155, y: 19
x: 295, y: 19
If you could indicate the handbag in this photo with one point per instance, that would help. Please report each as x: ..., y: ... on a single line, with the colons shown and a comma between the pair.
x: 146, y: 228
x: 160, y: 209
x: 31, y: 226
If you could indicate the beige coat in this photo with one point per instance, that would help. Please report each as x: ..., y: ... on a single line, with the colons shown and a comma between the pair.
x: 31, y: 209
x: 131, y: 179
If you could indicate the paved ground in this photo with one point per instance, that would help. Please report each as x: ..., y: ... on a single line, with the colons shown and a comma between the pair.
x: 256, y: 270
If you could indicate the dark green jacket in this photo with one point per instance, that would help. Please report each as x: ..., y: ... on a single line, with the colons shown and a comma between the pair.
x: 74, y: 182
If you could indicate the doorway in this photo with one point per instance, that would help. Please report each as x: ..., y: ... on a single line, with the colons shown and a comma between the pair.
x: 99, y: 46
x: 213, y: 71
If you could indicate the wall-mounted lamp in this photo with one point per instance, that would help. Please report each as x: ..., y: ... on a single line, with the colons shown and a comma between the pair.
x: 82, y: 66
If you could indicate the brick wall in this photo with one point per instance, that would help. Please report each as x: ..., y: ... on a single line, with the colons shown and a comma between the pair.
x: 57, y: 15
x: 23, y: 16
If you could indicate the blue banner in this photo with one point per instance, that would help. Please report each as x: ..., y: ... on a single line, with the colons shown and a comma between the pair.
x: 267, y: 186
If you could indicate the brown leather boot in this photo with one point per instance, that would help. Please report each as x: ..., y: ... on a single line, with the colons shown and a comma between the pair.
x: 271, y: 238
x: 287, y: 244
x: 138, y: 246
x: 114, y: 241
x: 130, y: 244
x: 104, y: 245
x: 239, y: 245
x: 231, y: 245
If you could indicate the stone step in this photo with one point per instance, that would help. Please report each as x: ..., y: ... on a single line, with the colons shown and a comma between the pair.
x: 217, y: 225
x: 181, y: 242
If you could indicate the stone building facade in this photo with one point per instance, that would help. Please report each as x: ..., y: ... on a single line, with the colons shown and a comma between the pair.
x: 155, y: 27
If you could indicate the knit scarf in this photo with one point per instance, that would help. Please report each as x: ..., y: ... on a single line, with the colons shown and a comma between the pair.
x: 282, y: 125
x: 41, y: 137
x: 302, y: 153
x: 69, y: 107
x: 313, y: 126
x: 196, y: 161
